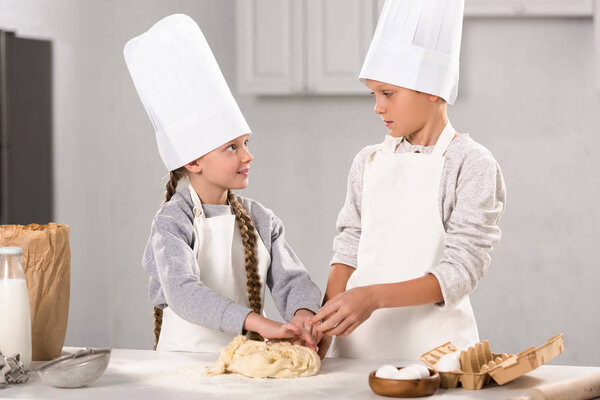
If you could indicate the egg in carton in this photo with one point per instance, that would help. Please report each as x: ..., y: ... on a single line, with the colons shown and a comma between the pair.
x: 475, y: 364
x: 479, y: 366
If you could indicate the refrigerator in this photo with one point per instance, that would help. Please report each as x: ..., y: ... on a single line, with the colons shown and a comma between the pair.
x: 26, y: 194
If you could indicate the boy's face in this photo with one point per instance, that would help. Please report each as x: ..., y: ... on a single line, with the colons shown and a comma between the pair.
x: 404, y: 111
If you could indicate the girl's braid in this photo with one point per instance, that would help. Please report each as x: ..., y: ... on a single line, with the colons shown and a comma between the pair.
x: 249, y: 237
x: 174, y: 178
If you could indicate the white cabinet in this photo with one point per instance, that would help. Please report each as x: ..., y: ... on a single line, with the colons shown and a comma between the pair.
x: 318, y: 46
x: 338, y: 36
x: 303, y: 46
x: 528, y: 8
x: 270, y: 42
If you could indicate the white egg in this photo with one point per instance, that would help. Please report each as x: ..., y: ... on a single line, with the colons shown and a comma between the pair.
x: 409, y: 373
x: 387, y: 372
x: 448, y: 363
x: 423, y: 371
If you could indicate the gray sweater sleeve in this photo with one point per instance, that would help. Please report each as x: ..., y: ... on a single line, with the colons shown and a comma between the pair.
x: 169, y: 260
x: 472, y: 200
x: 471, y: 228
x: 288, y: 280
x: 345, y: 244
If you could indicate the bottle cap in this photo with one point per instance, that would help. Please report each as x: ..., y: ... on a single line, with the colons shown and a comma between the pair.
x: 10, y: 250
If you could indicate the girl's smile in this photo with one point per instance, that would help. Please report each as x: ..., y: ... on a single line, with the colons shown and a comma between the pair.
x: 244, y: 172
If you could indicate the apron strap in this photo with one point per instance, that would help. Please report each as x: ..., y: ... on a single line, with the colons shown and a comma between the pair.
x: 198, y: 211
x: 444, y: 140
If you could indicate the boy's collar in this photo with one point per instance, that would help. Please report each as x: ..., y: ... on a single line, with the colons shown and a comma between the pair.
x: 391, y: 143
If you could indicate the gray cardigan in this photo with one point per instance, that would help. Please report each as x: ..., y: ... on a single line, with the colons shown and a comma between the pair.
x: 471, y: 201
x: 169, y: 261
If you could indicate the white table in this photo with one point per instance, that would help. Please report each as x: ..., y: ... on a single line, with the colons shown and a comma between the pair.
x: 146, y: 374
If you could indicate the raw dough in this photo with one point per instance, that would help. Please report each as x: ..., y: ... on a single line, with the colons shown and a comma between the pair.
x: 266, y: 360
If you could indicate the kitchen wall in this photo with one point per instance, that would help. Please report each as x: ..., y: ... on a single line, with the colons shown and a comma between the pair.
x: 527, y: 93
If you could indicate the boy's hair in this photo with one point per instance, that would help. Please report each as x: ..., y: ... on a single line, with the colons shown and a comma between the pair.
x: 249, y: 239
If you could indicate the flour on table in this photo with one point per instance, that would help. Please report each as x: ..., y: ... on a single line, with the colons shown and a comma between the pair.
x: 266, y: 360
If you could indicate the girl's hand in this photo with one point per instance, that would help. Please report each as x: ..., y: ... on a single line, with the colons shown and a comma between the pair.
x: 346, y: 311
x: 310, y: 336
x: 270, y: 329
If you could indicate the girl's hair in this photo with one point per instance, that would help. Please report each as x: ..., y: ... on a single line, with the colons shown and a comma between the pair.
x: 249, y: 238
x: 174, y: 177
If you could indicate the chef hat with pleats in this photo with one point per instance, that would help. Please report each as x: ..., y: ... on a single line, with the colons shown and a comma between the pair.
x: 417, y: 45
x: 183, y: 90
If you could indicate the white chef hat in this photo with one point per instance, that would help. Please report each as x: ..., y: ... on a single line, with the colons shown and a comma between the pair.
x: 417, y: 45
x: 183, y: 90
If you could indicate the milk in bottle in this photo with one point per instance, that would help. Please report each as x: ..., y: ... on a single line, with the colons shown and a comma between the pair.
x: 15, y: 317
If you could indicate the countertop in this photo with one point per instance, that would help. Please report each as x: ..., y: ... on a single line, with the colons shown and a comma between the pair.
x: 147, y: 374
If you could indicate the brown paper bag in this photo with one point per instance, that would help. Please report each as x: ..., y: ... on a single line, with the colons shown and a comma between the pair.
x: 47, y: 265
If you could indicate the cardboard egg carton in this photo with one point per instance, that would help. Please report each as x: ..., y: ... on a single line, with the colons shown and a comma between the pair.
x: 479, y: 366
x: 476, y: 362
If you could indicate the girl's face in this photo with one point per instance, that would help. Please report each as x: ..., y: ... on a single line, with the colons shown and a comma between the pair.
x: 404, y: 111
x: 228, y: 166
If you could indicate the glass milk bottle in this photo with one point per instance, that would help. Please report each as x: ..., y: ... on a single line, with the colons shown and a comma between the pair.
x: 15, y: 316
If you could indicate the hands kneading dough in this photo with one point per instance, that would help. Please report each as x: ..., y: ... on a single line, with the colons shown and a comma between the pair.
x: 266, y: 360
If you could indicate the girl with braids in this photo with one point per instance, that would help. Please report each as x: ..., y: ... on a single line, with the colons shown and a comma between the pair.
x: 210, y: 254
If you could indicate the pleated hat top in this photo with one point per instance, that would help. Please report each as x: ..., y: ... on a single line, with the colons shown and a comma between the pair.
x: 417, y: 45
x: 183, y: 90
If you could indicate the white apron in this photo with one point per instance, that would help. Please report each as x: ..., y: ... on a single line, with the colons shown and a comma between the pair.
x: 219, y: 252
x: 403, y: 237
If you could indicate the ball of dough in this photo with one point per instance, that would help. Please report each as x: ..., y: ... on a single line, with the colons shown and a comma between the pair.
x: 448, y: 363
x: 266, y: 360
x: 387, y: 372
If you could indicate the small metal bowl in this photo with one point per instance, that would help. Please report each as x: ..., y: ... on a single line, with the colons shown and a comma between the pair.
x: 405, y: 387
x: 75, y: 370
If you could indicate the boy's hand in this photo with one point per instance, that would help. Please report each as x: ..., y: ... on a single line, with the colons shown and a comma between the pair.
x: 324, y: 346
x: 310, y: 336
x: 346, y: 311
